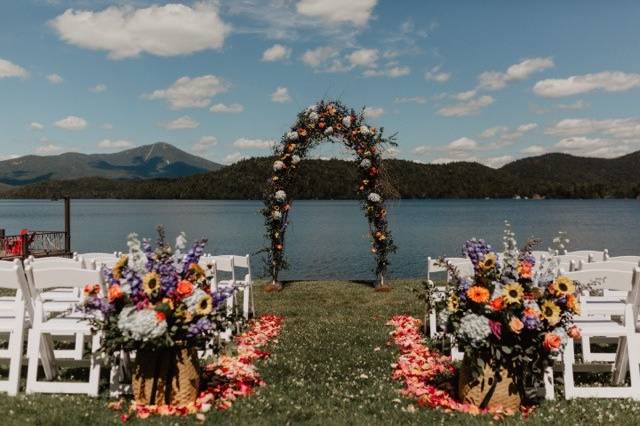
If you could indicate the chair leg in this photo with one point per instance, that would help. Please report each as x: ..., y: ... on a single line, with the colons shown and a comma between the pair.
x: 94, y: 368
x: 634, y: 366
x: 433, y: 329
x: 15, y: 364
x: 34, y: 355
x: 245, y: 302
x: 549, y: 392
x: 621, y: 363
x: 79, y: 347
x: 568, y: 358
x: 586, y: 349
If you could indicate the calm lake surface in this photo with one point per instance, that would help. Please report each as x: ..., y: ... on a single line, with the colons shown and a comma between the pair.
x: 328, y: 239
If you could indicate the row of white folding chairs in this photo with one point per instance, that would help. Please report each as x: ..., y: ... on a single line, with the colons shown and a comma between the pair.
x: 31, y: 309
x: 233, y: 267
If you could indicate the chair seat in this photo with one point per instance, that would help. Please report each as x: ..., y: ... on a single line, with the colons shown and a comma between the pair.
x: 603, y: 307
x: 7, y: 322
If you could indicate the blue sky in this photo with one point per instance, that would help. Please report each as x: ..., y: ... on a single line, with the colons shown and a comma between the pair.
x: 488, y: 81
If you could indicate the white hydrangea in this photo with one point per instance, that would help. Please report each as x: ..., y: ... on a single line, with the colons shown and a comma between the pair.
x: 346, y: 121
x: 443, y: 317
x: 374, y: 197
x: 281, y: 195
x: 141, y: 325
x: 474, y: 328
x: 277, y: 215
x: 295, y: 159
x: 365, y: 164
x: 313, y: 116
x: 278, y: 165
x: 292, y: 136
x: 328, y: 131
x: 364, y: 130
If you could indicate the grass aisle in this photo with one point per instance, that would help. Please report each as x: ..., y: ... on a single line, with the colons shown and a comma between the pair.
x: 325, y: 369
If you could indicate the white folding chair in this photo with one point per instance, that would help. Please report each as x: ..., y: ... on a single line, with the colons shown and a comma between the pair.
x: 596, y: 255
x: 568, y: 262
x: 64, y: 323
x: 592, y: 325
x: 245, y: 286
x: 216, y: 266
x: 12, y: 324
x: 632, y: 259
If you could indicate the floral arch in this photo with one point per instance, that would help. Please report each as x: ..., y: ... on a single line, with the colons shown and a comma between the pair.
x: 332, y: 121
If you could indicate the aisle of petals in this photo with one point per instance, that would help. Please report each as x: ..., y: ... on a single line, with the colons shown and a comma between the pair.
x: 418, y: 367
x: 229, y: 377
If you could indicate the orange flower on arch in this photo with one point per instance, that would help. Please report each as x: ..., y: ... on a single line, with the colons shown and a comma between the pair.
x: 478, y: 294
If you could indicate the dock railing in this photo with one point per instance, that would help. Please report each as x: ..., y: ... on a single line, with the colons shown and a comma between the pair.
x: 34, y: 243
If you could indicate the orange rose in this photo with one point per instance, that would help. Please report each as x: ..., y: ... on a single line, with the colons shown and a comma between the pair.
x: 497, y: 304
x: 516, y: 325
x: 574, y: 332
x: 573, y: 304
x: 160, y: 316
x: 115, y: 292
x: 551, y: 341
x: 525, y: 269
x: 185, y: 288
x: 478, y: 294
x: 91, y: 289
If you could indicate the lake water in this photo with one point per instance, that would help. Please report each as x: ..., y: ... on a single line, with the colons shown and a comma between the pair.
x: 328, y: 239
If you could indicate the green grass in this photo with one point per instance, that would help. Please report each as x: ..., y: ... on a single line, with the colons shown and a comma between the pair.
x: 325, y: 369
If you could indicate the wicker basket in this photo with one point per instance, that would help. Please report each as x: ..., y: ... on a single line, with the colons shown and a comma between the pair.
x: 166, y: 376
x: 489, y: 389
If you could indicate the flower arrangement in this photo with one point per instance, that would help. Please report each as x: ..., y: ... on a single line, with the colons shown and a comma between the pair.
x: 511, y: 314
x: 156, y: 298
x: 328, y: 120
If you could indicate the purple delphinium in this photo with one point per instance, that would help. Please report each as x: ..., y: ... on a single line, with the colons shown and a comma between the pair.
x: 200, y: 327
x: 193, y: 255
x: 465, y: 284
x: 530, y: 323
x: 475, y: 250
x: 221, y: 295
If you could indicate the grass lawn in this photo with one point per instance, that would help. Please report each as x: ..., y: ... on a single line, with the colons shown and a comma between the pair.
x: 330, y: 365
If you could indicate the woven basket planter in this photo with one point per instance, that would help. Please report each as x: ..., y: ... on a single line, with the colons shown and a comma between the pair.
x: 166, y: 376
x: 489, y: 389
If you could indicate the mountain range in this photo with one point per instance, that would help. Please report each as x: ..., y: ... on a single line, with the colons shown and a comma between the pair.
x: 549, y: 175
x: 150, y: 161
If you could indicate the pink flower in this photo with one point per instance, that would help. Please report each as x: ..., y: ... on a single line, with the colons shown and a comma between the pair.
x: 496, y: 328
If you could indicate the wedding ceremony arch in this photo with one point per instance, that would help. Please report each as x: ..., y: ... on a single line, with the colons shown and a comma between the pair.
x: 334, y: 122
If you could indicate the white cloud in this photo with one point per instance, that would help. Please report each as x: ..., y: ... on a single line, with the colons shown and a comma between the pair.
x: 465, y: 96
x: 496, y: 80
x: 620, y: 128
x: 189, y: 92
x: 71, y: 122
x: 107, y: 126
x: 281, y: 95
x: 356, y: 12
x: 391, y: 71
x: 98, y: 88
x: 445, y: 160
x: 245, y: 143
x: 373, y: 112
x: 233, y: 158
x: 493, y: 131
x: 314, y: 58
x: 204, y: 144
x: 184, y: 122
x: 117, y: 144
x: 124, y: 32
x: 55, y: 79
x: 36, y: 126
x: 48, y: 149
x: 363, y: 58
x: 470, y: 107
x: 534, y: 150
x: 4, y: 157
x: 410, y: 99
x: 423, y: 149
x: 277, y: 52
x: 228, y: 109
x: 608, y: 81
x: 462, y: 144
x: 390, y: 152
x: 9, y: 69
x: 497, y: 162
x: 434, y: 74
x: 505, y: 136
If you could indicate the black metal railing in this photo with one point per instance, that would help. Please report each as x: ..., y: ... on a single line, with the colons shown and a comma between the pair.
x: 34, y: 243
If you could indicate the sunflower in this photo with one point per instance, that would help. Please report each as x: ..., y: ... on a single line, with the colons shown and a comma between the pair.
x: 196, y: 270
x: 550, y: 312
x: 512, y: 293
x: 564, y: 286
x: 453, y: 303
x: 478, y: 294
x: 488, y: 262
x: 151, y: 283
x: 204, y: 306
x: 116, y: 271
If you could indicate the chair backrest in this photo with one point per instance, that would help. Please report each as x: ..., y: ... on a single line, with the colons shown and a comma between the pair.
x: 539, y: 254
x: 55, y: 262
x: 597, y: 255
x: 244, y: 263
x: 10, y: 277
x: 223, y: 263
x: 605, y: 279
x: 7, y: 264
x: 96, y: 255
x: 630, y: 259
x: 609, y: 265
x: 62, y: 277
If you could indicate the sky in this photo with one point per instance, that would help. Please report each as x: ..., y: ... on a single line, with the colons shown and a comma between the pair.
x: 488, y: 81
